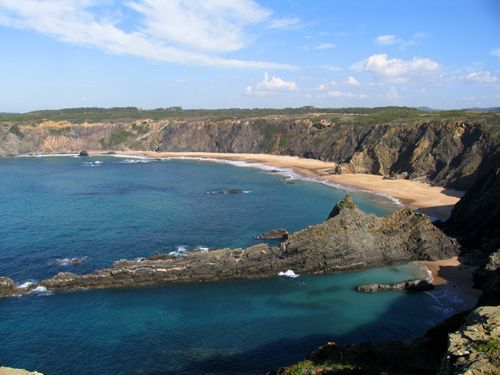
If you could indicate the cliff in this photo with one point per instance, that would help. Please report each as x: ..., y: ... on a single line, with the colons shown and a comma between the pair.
x: 445, y: 149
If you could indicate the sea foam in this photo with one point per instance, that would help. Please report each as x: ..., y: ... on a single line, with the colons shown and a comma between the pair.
x: 289, y: 273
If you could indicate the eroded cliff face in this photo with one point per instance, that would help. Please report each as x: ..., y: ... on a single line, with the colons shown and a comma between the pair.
x: 448, y: 153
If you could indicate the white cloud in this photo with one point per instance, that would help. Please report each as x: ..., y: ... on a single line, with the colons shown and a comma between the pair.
x: 384, y: 40
x: 325, y: 46
x: 393, y: 93
x: 496, y: 52
x: 331, y: 67
x: 397, y: 70
x: 351, y: 81
x: 341, y: 94
x: 421, y: 91
x: 172, y: 31
x: 469, y: 98
x: 284, y: 23
x: 276, y: 84
x: 271, y: 86
x: 177, y: 83
x: 321, y: 87
x: 211, y: 25
x: 483, y: 78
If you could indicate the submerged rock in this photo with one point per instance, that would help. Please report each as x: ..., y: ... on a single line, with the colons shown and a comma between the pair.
x: 349, y: 240
x: 232, y: 191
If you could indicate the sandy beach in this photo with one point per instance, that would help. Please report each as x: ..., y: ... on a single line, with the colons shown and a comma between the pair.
x: 433, y: 200
x: 454, y: 276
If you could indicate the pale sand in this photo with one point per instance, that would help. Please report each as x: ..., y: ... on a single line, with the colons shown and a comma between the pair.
x: 434, y: 200
x: 455, y: 276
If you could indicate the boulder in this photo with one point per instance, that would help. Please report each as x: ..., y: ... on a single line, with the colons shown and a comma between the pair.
x: 84, y: 154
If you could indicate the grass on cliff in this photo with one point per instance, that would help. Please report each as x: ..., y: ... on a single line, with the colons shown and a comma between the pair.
x: 421, y: 356
x: 490, y: 347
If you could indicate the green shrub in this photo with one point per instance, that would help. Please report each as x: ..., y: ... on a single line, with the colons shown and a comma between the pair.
x: 14, y: 129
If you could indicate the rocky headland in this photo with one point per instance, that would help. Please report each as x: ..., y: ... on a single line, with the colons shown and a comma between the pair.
x: 349, y: 240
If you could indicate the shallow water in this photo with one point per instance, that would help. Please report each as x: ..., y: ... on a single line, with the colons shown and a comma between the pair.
x: 56, y: 209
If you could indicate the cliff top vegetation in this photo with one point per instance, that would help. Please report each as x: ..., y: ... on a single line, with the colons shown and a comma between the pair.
x: 360, y: 115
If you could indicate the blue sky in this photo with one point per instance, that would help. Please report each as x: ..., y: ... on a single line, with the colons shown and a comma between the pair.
x: 248, y: 53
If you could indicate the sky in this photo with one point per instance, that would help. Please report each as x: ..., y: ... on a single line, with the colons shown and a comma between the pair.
x: 214, y: 54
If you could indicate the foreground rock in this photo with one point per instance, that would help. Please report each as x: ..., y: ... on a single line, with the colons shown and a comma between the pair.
x: 463, y: 344
x: 349, y: 240
x: 414, y: 285
x: 475, y: 347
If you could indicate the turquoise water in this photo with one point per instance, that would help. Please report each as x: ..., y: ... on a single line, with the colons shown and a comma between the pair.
x: 99, y: 210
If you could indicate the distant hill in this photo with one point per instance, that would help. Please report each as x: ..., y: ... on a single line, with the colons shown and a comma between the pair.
x: 476, y: 109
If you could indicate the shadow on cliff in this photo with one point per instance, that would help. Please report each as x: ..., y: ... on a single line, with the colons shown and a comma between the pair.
x: 279, y: 353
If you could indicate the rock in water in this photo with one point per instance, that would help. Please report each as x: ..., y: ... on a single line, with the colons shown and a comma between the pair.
x: 232, y: 191
x: 414, y: 285
x: 84, y: 154
x: 9, y: 288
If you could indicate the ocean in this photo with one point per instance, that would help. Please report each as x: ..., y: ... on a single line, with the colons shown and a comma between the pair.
x: 70, y: 214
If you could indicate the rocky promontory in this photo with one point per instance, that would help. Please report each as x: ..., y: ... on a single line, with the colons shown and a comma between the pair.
x: 349, y: 240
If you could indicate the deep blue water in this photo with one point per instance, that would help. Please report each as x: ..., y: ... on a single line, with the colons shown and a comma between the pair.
x: 55, y: 209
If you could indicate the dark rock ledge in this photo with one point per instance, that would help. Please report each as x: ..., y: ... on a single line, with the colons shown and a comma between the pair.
x: 413, y: 285
x: 349, y: 240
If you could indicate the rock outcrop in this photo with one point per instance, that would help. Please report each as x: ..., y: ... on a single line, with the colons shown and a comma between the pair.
x: 9, y: 288
x: 413, y: 285
x: 348, y: 241
x: 275, y: 234
x: 475, y: 347
x: 475, y: 219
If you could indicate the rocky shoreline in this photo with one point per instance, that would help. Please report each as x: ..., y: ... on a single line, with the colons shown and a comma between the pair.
x: 349, y: 240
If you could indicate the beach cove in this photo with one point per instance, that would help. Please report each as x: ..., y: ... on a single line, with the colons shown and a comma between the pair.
x: 435, y: 201
x: 172, y: 338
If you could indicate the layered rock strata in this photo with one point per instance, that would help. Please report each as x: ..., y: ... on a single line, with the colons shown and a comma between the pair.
x: 349, y: 240
x: 447, y: 152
